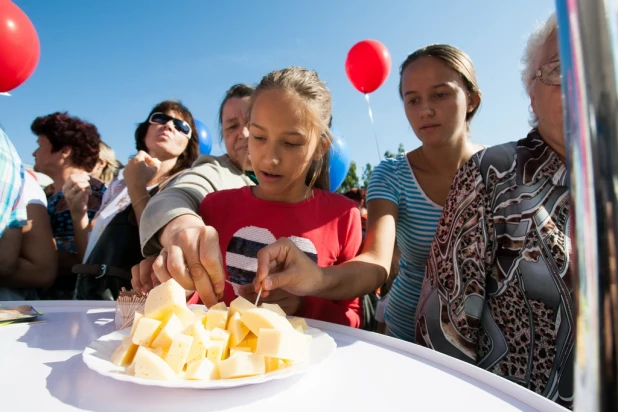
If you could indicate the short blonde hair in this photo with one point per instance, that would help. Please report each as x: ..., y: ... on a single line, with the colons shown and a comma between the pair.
x: 112, y: 165
x: 531, y: 60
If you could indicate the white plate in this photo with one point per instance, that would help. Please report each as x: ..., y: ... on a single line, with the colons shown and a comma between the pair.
x: 98, y: 353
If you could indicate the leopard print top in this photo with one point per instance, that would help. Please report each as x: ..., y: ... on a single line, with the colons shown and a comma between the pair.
x: 498, y: 290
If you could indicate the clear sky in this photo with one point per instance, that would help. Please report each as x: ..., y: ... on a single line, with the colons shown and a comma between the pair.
x: 109, y: 62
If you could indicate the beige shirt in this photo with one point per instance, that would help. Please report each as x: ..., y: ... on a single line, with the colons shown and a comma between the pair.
x: 183, y: 196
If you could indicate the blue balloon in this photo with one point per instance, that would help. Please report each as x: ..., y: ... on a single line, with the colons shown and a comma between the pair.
x: 204, y: 137
x: 339, y: 161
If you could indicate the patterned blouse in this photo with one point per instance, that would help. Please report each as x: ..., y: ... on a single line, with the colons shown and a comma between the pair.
x: 498, y: 290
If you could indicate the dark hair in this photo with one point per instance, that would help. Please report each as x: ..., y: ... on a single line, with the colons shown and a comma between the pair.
x: 240, y: 91
x: 186, y: 158
x: 456, y: 59
x: 358, y: 195
x: 63, y: 131
x: 307, y: 85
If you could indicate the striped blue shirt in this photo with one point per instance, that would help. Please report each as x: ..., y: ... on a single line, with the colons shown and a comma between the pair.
x: 417, y: 221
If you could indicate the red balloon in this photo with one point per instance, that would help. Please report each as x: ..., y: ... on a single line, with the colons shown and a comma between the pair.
x: 368, y: 65
x: 19, y: 46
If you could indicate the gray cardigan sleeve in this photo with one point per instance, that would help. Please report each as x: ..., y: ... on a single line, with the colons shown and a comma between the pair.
x: 184, y: 195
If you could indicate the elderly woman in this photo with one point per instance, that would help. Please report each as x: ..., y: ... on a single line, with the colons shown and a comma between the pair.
x: 498, y: 289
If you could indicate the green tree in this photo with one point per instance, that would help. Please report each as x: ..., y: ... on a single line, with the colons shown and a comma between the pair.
x: 351, y: 179
x: 401, y: 149
x: 367, y: 175
x: 390, y: 155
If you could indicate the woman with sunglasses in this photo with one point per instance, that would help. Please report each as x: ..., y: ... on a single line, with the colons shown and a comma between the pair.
x: 166, y: 144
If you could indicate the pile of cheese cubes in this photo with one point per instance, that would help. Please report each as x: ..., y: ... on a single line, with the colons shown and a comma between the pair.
x: 169, y: 341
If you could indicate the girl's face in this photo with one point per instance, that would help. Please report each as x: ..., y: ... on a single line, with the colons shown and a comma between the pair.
x: 436, y: 101
x: 281, y: 146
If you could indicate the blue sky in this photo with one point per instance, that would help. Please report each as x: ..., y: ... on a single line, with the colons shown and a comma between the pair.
x: 110, y: 62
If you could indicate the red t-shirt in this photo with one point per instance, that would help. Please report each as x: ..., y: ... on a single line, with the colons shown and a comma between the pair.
x: 327, y: 227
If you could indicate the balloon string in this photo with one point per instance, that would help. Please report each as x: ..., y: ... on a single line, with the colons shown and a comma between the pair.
x: 373, y: 126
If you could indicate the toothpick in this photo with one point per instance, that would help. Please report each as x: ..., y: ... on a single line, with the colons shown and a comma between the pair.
x: 258, y: 296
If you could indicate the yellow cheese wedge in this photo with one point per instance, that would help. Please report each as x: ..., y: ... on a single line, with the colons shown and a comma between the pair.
x: 216, y: 351
x: 240, y: 349
x: 218, y: 306
x: 273, y: 364
x: 165, y: 299
x: 146, y: 331
x: 238, y: 331
x: 150, y: 366
x: 256, y: 319
x: 240, y: 305
x: 201, y: 341
x: 242, y: 364
x: 202, y: 369
x: 136, y: 319
x: 274, y: 307
x: 177, y: 356
x: 172, y: 328
x: 298, y: 322
x: 216, y: 318
x: 250, y: 341
x: 280, y: 344
x: 124, y: 354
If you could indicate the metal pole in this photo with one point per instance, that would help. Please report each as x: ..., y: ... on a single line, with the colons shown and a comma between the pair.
x: 588, y: 36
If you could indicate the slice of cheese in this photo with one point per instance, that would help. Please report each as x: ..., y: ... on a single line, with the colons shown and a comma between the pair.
x: 242, y: 364
x: 298, y: 322
x: 136, y: 319
x: 218, y: 306
x: 216, y: 318
x: 274, y: 307
x: 125, y: 353
x: 238, y: 331
x: 216, y: 351
x: 168, y: 297
x: 240, y: 305
x: 201, y: 341
x: 172, y: 328
x: 256, y: 319
x: 273, y: 364
x: 199, y: 313
x: 150, y: 366
x: 202, y: 369
x: 177, y: 356
x: 250, y: 341
x: 280, y: 344
x: 146, y: 331
x: 240, y: 349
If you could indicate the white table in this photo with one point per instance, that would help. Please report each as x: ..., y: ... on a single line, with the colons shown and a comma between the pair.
x: 42, y: 370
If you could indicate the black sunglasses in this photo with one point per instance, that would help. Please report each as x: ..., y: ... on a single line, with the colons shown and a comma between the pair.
x: 180, y: 125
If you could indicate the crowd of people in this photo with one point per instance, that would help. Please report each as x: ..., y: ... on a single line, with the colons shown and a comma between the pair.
x: 454, y: 246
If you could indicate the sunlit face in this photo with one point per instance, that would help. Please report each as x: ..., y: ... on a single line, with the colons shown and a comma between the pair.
x: 164, y: 142
x: 436, y: 101
x: 45, y: 160
x: 546, y: 101
x: 234, y: 129
x: 280, y: 146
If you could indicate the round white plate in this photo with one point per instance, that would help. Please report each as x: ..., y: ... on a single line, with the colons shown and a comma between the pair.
x: 96, y: 356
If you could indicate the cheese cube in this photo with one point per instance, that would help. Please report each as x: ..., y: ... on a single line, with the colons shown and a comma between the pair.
x: 124, y: 354
x: 185, y: 315
x: 150, y: 366
x: 202, y: 369
x: 200, y: 314
x: 273, y: 364
x: 250, y: 341
x: 201, y: 341
x: 274, y: 307
x: 179, y: 352
x: 172, y: 328
x: 240, y: 305
x: 216, y: 318
x: 298, y: 322
x: 238, y: 331
x: 242, y: 364
x: 282, y: 344
x: 146, y: 331
x: 240, y: 349
x: 216, y: 351
x: 136, y: 319
x: 218, y: 306
x: 165, y: 299
x: 259, y: 318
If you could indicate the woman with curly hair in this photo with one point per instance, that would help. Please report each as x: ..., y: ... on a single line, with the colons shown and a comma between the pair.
x: 67, y: 145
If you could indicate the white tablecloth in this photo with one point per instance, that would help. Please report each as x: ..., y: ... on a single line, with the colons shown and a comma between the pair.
x: 42, y: 370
